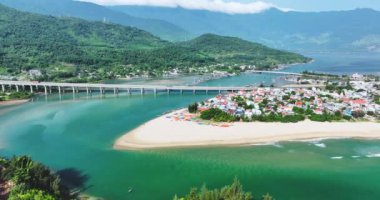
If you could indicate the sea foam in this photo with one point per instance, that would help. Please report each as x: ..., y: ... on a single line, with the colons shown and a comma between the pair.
x: 336, y: 157
x: 374, y: 155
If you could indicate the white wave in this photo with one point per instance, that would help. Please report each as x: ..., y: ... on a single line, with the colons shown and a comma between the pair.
x: 322, y: 145
x: 336, y: 157
x: 374, y: 155
x: 277, y: 145
x: 264, y: 144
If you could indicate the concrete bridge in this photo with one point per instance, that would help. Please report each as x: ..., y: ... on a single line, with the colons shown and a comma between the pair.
x: 276, y: 72
x: 50, y: 87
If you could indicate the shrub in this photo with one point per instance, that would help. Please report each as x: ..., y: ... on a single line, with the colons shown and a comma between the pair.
x: 325, y: 117
x: 298, y: 110
x: 358, y: 114
x: 32, y: 194
x: 347, y: 117
x: 370, y: 113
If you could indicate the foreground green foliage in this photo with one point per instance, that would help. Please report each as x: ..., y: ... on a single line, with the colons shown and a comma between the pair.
x: 230, y: 192
x: 31, y: 180
x: 74, y: 50
x: 30, y: 195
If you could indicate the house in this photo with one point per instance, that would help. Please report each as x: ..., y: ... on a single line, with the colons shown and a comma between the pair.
x: 347, y: 112
x: 357, y: 77
x: 299, y: 104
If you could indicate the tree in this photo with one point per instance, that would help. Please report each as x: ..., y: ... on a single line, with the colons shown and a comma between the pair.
x: 26, y: 174
x: 217, y: 115
x: 193, y: 108
x: 267, y: 197
x: 230, y: 192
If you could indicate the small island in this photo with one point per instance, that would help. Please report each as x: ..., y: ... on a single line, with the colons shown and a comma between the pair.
x: 349, y: 109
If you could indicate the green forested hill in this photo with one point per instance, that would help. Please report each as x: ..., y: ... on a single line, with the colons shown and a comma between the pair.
x: 69, y: 49
x: 234, y: 50
x: 93, y: 12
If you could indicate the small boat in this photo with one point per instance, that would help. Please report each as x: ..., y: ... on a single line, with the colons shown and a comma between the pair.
x: 130, y: 190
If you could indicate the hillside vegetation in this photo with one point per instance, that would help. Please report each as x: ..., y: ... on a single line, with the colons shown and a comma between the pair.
x: 74, y: 50
x: 232, y: 50
x: 94, y: 12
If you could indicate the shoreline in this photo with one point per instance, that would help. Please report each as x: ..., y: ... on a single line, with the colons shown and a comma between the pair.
x: 14, y: 102
x: 163, y: 132
x: 202, y: 77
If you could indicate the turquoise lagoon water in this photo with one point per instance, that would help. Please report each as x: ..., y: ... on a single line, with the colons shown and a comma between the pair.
x: 77, y: 135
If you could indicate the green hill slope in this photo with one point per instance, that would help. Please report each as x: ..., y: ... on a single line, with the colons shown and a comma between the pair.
x: 94, y: 12
x: 74, y: 50
x: 232, y: 50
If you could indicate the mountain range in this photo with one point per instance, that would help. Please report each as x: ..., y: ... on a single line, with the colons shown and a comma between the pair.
x: 76, y: 50
x: 335, y: 30
x: 355, y: 30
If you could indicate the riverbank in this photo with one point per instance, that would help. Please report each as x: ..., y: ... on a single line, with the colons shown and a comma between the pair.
x: 167, y: 132
x: 14, y: 102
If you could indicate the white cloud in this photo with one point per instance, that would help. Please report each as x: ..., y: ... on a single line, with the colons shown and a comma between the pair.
x: 230, y: 7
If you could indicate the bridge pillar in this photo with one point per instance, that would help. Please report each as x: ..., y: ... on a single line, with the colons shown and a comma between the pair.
x: 129, y: 91
x: 101, y: 91
x: 17, y: 89
x: 193, y: 91
x: 115, y: 91
x: 181, y: 91
x: 155, y: 91
x: 73, y: 88
x: 31, y: 89
x: 49, y: 89
x: 45, y: 88
x: 206, y: 91
x: 87, y: 90
x: 3, y: 88
x: 168, y: 91
x: 142, y: 91
x: 59, y: 90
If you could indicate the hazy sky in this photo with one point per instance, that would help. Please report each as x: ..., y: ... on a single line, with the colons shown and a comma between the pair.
x: 323, y: 5
x: 251, y: 6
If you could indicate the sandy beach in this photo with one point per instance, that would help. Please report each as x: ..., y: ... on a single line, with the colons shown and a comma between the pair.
x: 167, y: 131
x: 13, y: 102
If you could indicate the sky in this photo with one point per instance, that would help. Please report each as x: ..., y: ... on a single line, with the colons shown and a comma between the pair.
x: 250, y: 6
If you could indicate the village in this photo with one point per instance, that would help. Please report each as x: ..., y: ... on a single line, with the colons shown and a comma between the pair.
x: 353, y: 100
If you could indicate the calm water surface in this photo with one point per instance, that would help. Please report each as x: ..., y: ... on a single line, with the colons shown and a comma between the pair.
x: 77, y: 135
